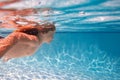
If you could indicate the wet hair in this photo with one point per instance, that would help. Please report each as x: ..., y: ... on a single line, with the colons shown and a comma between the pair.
x: 1, y: 37
x: 30, y: 31
x: 44, y: 28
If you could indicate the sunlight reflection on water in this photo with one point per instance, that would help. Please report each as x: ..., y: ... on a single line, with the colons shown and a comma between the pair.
x: 76, y: 62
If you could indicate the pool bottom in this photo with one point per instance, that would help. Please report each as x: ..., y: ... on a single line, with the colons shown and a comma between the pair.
x: 62, y: 67
x: 67, y: 58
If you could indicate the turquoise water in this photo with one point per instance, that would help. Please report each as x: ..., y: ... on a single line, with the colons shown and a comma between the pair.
x: 86, y: 45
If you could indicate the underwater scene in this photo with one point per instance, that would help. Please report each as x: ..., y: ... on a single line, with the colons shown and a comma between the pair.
x: 86, y: 44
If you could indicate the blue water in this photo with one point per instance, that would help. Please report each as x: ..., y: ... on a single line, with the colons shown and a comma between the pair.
x: 86, y: 45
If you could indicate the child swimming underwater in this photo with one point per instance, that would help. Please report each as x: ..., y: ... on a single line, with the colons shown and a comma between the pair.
x: 25, y: 40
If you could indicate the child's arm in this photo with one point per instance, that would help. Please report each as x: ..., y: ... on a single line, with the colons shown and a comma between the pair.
x: 6, y: 43
x: 11, y: 40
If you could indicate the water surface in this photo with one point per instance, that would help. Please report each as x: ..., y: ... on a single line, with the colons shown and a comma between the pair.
x: 85, y: 47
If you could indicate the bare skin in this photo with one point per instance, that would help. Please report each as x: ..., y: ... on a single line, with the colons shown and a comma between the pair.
x: 27, y: 38
x: 19, y: 44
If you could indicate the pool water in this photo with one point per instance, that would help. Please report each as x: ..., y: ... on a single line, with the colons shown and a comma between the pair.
x: 86, y: 45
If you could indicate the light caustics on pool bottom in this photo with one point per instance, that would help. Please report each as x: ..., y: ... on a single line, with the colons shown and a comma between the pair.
x: 73, y: 60
x: 64, y: 60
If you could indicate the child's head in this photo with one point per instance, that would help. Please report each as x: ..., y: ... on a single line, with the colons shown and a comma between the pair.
x: 45, y: 31
x: 45, y: 28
